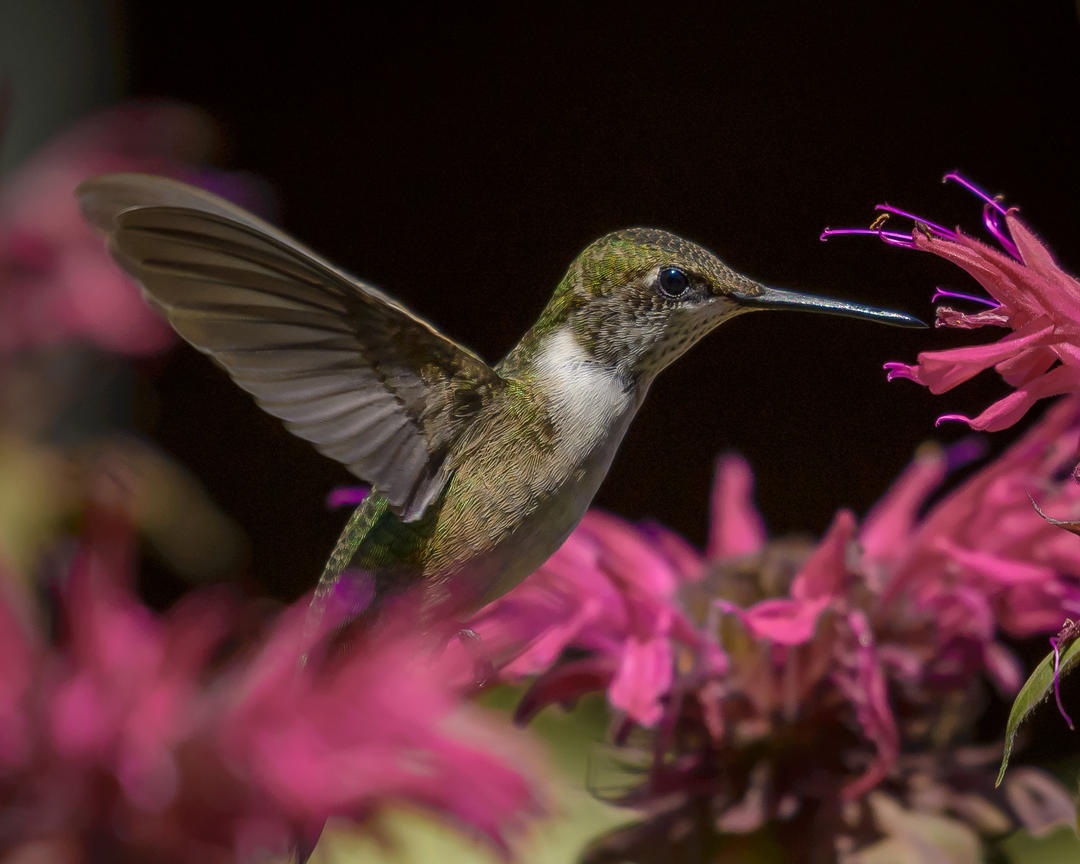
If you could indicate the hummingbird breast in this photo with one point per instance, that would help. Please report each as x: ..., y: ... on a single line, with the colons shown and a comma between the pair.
x: 523, y: 476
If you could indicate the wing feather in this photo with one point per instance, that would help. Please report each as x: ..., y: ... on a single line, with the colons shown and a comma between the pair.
x: 366, y: 381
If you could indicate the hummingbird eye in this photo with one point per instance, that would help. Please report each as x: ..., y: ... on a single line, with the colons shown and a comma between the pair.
x: 673, y: 282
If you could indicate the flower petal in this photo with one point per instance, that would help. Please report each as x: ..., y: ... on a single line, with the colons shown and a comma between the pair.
x: 1005, y: 412
x: 736, y: 527
x: 1038, y: 257
x: 826, y: 572
x: 887, y: 528
x: 943, y: 370
x: 780, y: 620
x: 868, y: 691
x: 644, y: 675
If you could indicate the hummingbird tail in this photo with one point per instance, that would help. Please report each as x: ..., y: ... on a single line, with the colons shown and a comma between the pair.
x: 351, y: 537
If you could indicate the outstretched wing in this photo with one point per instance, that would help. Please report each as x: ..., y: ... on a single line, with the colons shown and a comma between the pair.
x: 362, y: 378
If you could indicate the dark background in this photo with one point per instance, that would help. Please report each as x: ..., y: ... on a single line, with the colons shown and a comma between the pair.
x: 461, y: 158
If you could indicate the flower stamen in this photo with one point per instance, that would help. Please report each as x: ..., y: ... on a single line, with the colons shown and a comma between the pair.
x: 956, y: 295
x: 951, y: 418
x: 991, y: 201
x: 918, y: 220
x: 894, y: 238
x: 992, y: 221
x: 993, y: 212
x: 894, y: 370
x: 1056, y: 645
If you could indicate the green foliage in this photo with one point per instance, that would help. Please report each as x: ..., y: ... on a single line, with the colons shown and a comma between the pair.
x: 1037, y: 688
x: 1058, y: 847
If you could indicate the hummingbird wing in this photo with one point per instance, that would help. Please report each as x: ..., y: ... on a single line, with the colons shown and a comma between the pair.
x: 369, y: 383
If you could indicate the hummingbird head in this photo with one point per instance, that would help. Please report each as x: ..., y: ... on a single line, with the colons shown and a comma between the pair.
x: 637, y: 299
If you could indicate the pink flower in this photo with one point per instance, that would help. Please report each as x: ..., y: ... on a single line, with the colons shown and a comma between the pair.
x: 816, y: 688
x: 986, y: 536
x: 612, y: 592
x: 56, y: 280
x: 137, y: 736
x: 347, y: 496
x: 1028, y: 293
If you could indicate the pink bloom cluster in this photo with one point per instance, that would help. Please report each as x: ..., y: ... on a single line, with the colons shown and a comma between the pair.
x: 134, y: 736
x: 777, y: 679
x: 56, y: 280
x: 612, y: 591
x: 1028, y: 293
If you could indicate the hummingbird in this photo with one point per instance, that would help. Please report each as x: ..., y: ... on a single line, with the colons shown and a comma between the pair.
x: 478, y: 472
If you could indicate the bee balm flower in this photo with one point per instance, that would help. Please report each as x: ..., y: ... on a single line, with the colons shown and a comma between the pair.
x: 1026, y: 291
x: 822, y: 692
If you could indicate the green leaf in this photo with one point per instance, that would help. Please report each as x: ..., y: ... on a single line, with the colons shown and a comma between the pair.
x: 1037, y: 688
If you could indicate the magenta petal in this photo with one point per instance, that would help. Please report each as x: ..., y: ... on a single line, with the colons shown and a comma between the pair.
x: 826, y: 572
x: 1026, y: 366
x: 1042, y: 289
x: 960, y: 612
x: 993, y: 270
x: 868, y: 691
x: 997, y: 317
x: 564, y: 685
x: 154, y: 738
x: 683, y: 557
x: 644, y: 675
x: 1031, y: 609
x: 1036, y: 255
x: 943, y: 370
x: 887, y: 528
x: 736, y: 528
x: 628, y: 556
x: 58, y: 284
x: 1005, y: 412
x: 347, y: 496
x: 997, y: 568
x: 780, y: 620
x: 552, y: 640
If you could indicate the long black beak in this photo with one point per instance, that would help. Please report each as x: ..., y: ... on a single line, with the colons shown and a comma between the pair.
x: 763, y: 297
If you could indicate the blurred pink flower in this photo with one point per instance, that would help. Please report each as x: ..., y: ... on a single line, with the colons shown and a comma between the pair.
x: 346, y: 496
x: 809, y: 686
x: 1028, y: 293
x: 135, y: 736
x: 57, y: 283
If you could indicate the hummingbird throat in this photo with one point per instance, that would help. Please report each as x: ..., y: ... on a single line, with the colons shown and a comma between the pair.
x: 587, y: 395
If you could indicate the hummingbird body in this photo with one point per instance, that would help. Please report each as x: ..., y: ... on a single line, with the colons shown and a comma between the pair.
x: 479, y: 473
x: 500, y: 518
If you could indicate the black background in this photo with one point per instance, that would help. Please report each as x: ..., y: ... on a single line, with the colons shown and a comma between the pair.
x: 461, y: 158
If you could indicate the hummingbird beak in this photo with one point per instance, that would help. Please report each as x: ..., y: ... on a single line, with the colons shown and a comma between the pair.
x: 757, y: 296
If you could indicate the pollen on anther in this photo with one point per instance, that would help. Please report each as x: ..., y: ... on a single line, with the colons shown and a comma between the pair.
x: 918, y: 220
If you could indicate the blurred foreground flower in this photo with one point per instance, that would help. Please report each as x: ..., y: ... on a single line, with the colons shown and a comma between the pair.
x: 1028, y: 293
x: 819, y: 695
x: 45, y: 489
x: 137, y: 737
x: 56, y: 280
x: 63, y: 305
